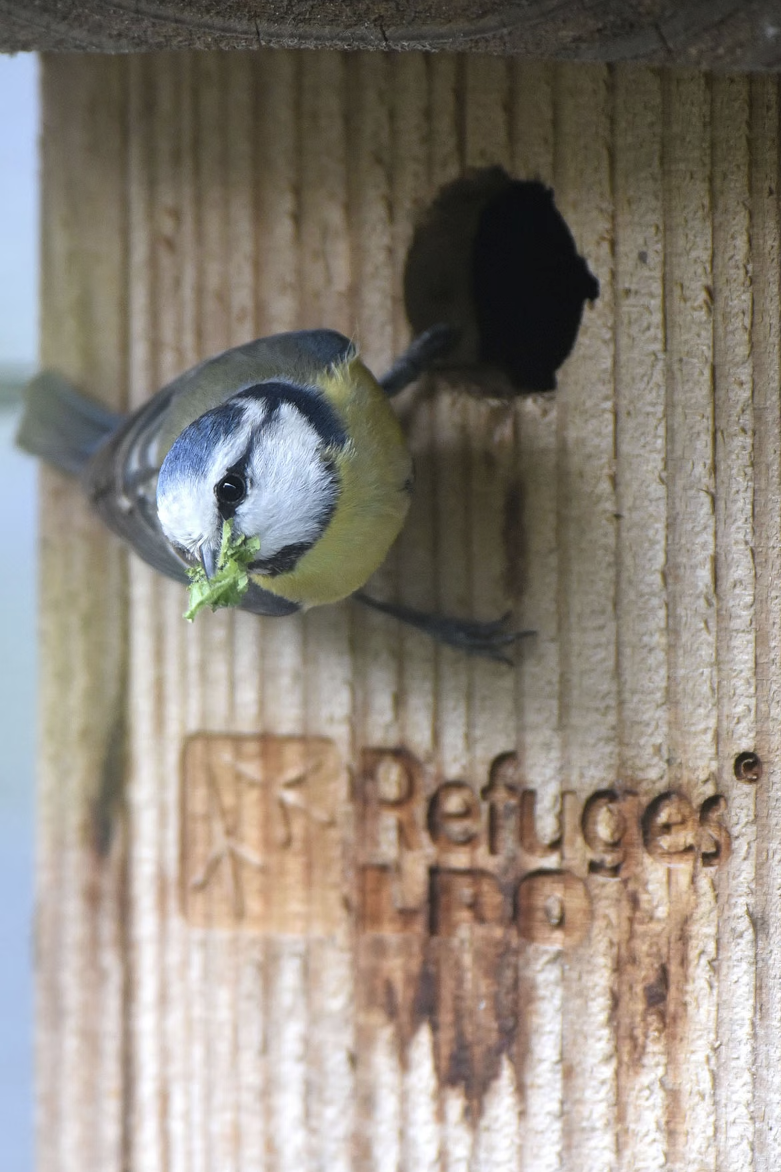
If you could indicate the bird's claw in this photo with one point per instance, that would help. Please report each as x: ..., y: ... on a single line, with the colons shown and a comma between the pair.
x: 469, y: 635
x: 478, y: 638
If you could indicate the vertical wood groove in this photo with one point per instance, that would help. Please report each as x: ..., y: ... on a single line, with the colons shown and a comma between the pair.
x: 81, y: 959
x: 767, y: 492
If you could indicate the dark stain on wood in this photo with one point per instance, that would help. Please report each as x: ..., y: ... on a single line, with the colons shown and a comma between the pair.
x: 656, y: 991
x: 513, y: 540
x: 107, y: 805
x: 446, y: 930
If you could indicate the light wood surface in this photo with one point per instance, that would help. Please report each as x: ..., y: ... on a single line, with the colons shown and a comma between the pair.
x: 315, y: 894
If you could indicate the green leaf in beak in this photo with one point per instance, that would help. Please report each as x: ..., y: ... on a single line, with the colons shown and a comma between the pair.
x: 230, y: 581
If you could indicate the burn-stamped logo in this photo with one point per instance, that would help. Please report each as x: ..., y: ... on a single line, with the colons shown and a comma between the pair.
x: 262, y: 843
x: 261, y: 846
x: 446, y: 891
x: 438, y: 855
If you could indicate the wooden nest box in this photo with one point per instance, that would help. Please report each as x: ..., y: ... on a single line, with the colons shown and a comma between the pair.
x: 314, y: 893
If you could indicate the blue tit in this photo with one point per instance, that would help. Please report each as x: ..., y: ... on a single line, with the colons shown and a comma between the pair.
x: 289, y: 440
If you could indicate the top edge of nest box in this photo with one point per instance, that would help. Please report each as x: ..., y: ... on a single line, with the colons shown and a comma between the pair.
x: 721, y: 34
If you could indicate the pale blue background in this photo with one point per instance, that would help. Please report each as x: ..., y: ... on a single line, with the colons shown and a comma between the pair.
x: 18, y: 345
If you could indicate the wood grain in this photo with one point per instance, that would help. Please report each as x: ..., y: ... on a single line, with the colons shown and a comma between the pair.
x: 81, y: 930
x: 315, y: 893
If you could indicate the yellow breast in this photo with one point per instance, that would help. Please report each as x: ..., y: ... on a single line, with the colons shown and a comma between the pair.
x: 375, y: 471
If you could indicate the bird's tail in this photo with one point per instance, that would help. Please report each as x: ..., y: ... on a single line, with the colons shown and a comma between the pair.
x: 60, y: 425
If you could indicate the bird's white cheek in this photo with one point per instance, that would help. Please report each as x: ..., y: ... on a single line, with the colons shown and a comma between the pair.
x: 281, y: 515
x: 290, y: 485
x: 187, y: 516
x: 249, y: 520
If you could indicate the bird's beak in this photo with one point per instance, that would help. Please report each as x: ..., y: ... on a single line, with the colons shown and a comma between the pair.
x: 208, y: 559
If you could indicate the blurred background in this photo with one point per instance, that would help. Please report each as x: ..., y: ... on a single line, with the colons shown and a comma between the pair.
x: 18, y: 348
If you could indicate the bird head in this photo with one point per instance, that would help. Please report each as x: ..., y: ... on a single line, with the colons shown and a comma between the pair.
x: 263, y: 461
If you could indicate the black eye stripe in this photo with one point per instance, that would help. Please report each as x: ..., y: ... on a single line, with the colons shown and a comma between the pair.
x: 308, y: 401
x: 283, y: 561
x: 240, y: 467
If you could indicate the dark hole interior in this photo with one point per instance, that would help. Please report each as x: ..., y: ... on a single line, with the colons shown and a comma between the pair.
x: 529, y: 285
x: 494, y: 257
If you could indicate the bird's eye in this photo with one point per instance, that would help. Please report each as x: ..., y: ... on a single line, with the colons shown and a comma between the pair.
x: 231, y: 490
